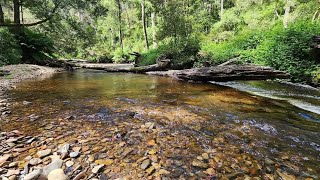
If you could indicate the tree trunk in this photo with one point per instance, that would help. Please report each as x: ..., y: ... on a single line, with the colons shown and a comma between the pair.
x: 1, y: 15
x: 120, y: 23
x: 111, y: 38
x: 127, y: 16
x: 286, y: 15
x: 221, y: 8
x: 16, y: 11
x: 224, y: 73
x: 154, y: 32
x: 143, y: 18
x: 21, y: 7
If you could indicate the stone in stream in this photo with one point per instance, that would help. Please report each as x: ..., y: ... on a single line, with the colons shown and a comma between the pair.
x: 69, y: 163
x: 4, y: 158
x: 57, y: 174
x: 76, y: 149
x: 26, y: 103
x: 44, y: 153
x: 106, y: 162
x: 56, y: 164
x: 35, y: 161
x: 205, y: 156
x: 200, y: 164
x: 74, y: 154
x: 13, y: 164
x: 97, y: 169
x: 64, y: 149
x: 145, y: 164
x: 12, y: 140
x: 81, y: 175
x: 12, y: 172
x: 31, y: 140
x: 33, y: 175
x: 269, y: 161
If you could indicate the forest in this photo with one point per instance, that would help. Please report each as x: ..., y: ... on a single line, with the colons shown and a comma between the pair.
x: 194, y: 33
x: 160, y: 89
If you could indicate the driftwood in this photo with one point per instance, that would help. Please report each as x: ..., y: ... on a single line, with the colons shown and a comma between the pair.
x: 224, y: 73
x: 62, y: 64
x: 141, y: 69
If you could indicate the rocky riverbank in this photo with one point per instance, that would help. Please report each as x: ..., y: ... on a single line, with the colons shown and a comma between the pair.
x: 17, y: 73
x: 13, y: 74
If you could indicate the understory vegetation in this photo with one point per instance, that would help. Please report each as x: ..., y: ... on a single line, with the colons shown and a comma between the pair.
x: 194, y: 33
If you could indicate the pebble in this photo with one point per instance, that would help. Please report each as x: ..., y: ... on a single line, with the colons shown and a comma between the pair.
x: 145, y: 164
x: 44, y: 153
x: 197, y: 163
x: 91, y: 158
x: 13, y: 164
x: 33, y: 175
x: 269, y: 161
x: 205, y: 156
x: 106, y: 162
x: 154, y: 158
x: 97, y: 169
x: 35, y: 161
x: 13, y: 177
x: 74, y: 154
x: 81, y: 175
x: 69, y: 163
x: 26, y: 103
x: 64, y: 149
x: 57, y: 174
x: 12, y: 172
x: 76, y: 149
x: 150, y: 170
x: 56, y: 164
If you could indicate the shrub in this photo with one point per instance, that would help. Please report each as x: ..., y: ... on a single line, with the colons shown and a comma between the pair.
x: 10, y: 51
x: 182, y: 53
x: 284, y: 49
x: 36, y: 47
x: 289, y: 49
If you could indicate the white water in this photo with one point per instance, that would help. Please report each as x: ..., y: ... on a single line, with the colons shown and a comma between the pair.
x: 304, y: 97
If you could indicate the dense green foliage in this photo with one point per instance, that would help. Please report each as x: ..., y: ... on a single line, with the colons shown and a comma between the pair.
x: 285, y: 49
x: 10, y: 50
x: 29, y: 46
x: 192, y: 33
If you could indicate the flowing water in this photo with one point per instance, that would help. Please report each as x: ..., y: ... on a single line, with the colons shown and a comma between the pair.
x: 245, y: 134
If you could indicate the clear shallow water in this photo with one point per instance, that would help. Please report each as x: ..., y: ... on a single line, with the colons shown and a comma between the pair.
x: 255, y: 125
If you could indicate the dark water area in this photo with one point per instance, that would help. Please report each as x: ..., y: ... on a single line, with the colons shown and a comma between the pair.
x: 226, y: 123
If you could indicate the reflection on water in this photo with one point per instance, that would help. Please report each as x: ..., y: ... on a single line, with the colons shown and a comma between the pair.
x: 276, y: 127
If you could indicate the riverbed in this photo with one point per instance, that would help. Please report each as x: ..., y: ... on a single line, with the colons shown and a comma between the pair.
x: 139, y: 126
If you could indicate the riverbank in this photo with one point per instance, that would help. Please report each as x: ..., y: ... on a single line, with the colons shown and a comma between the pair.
x: 20, y: 72
x: 13, y: 74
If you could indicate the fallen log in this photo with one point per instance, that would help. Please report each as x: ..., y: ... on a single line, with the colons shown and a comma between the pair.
x: 140, y: 69
x: 224, y: 73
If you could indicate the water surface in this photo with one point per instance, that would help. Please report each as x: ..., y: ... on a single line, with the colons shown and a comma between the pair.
x: 202, y: 116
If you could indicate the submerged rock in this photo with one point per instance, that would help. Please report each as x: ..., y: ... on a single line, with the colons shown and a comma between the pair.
x: 145, y: 164
x: 56, y: 164
x: 44, y: 153
x: 97, y: 169
x: 33, y: 175
x: 197, y: 163
x: 57, y: 174
x: 74, y: 154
